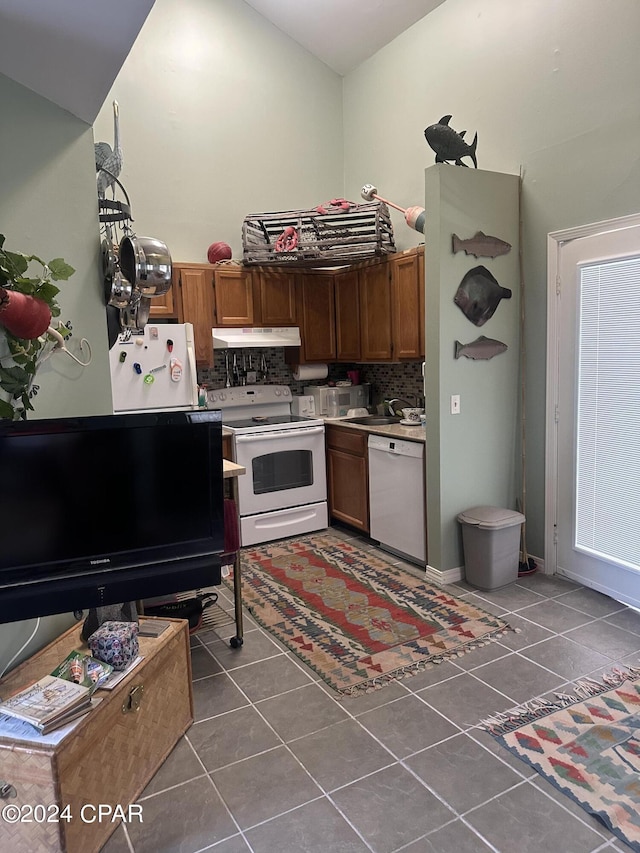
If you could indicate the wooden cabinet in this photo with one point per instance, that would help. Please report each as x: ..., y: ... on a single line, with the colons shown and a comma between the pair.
x: 347, y: 476
x: 234, y: 303
x: 421, y: 300
x: 347, y: 316
x: 405, y: 305
x: 375, y: 313
x: 227, y: 447
x: 168, y: 306
x: 328, y: 310
x: 276, y: 297
x: 317, y: 317
x: 196, y: 291
x: 369, y: 312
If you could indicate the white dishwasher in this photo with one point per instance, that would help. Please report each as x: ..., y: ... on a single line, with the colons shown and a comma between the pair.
x: 396, y: 496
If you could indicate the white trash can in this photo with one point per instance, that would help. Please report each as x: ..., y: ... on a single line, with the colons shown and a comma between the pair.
x: 491, y: 541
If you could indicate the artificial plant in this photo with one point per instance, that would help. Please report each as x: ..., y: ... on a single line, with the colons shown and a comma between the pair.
x: 24, y: 354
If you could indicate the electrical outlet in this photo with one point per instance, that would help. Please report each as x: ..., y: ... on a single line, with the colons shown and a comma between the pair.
x: 455, y: 404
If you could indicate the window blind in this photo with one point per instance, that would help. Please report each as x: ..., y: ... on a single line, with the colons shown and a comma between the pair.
x: 607, y: 522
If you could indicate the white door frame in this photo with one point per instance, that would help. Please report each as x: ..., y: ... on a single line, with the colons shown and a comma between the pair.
x: 555, y: 240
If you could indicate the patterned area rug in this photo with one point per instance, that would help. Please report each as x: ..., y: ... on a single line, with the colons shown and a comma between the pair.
x: 587, y: 746
x: 354, y: 618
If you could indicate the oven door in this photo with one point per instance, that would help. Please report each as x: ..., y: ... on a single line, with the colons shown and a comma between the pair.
x: 285, y: 468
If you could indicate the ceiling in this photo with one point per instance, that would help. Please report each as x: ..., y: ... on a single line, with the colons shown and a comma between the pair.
x: 343, y: 33
x: 71, y: 51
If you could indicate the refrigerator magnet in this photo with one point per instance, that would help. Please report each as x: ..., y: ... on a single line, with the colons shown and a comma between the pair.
x: 175, y: 365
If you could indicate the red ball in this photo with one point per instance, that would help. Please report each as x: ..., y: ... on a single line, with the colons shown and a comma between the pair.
x: 219, y: 252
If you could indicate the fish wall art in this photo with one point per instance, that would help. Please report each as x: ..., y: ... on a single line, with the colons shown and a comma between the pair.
x: 480, y: 349
x: 479, y: 294
x: 448, y: 144
x: 481, y: 245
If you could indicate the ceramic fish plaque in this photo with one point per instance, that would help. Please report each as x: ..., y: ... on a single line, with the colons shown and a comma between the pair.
x: 480, y: 349
x: 479, y: 294
x: 481, y: 245
x: 448, y: 144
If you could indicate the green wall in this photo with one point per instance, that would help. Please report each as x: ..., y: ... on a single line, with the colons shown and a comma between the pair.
x: 48, y: 208
x: 471, y: 456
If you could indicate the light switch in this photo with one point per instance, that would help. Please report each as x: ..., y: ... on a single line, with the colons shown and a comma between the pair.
x: 455, y: 404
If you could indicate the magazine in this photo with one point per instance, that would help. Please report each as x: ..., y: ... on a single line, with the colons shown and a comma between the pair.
x: 83, y: 669
x: 46, y: 701
x: 116, y: 677
x: 15, y: 729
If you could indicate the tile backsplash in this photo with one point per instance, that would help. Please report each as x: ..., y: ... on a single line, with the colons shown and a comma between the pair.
x: 387, y: 380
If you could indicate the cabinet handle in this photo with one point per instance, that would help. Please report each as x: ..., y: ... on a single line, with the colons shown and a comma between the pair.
x: 133, y: 700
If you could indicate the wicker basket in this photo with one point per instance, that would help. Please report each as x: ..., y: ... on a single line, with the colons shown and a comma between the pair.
x: 363, y: 231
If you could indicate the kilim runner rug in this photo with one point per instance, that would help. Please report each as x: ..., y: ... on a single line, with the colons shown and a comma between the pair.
x: 586, y: 745
x: 353, y: 617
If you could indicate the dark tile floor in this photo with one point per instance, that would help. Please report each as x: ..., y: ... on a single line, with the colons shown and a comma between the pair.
x: 274, y: 763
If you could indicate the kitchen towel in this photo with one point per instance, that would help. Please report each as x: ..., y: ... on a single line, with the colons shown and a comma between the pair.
x: 305, y: 372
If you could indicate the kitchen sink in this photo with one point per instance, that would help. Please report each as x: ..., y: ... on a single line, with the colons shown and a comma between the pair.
x: 373, y: 420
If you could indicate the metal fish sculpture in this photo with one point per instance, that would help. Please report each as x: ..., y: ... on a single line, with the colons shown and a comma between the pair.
x: 479, y: 294
x: 448, y: 144
x: 481, y: 245
x: 482, y: 348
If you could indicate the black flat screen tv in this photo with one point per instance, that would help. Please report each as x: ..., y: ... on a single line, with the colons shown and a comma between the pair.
x: 108, y: 509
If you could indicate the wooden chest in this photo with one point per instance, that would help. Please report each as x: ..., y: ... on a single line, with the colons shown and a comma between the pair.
x: 108, y: 758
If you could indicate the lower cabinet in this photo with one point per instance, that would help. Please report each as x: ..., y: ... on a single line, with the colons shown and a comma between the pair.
x: 348, y: 476
x: 227, y: 447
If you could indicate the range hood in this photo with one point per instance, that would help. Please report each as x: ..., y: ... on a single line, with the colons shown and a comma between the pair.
x: 243, y: 338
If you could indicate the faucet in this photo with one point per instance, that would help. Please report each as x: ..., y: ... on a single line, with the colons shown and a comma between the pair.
x: 401, y: 404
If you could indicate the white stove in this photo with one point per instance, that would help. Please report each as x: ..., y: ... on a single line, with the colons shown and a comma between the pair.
x: 284, y: 492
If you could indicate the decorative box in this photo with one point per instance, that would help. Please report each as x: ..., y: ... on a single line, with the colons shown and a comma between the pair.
x: 318, y: 236
x: 109, y: 756
x: 115, y: 643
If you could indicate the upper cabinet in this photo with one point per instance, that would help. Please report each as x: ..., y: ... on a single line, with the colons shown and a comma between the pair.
x: 347, y: 299
x: 275, y: 297
x: 168, y: 305
x: 329, y: 317
x: 367, y: 312
x: 316, y: 299
x: 375, y: 313
x: 234, y: 303
x: 405, y: 299
x: 196, y: 293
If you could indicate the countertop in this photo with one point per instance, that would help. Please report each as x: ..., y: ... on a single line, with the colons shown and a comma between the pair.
x: 232, y: 469
x: 409, y: 433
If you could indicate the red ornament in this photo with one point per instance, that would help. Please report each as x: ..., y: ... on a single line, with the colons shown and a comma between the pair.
x: 23, y: 315
x: 219, y: 252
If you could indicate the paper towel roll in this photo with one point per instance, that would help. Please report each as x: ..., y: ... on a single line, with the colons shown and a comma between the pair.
x: 305, y: 372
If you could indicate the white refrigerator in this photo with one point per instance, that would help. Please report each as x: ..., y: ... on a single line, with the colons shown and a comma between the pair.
x: 154, y: 369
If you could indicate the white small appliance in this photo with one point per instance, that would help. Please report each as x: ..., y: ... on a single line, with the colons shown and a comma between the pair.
x: 284, y: 490
x: 335, y: 401
x: 154, y: 369
x: 304, y: 406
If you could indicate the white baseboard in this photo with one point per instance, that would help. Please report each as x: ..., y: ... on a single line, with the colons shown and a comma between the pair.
x: 448, y: 576
x: 444, y: 576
